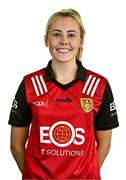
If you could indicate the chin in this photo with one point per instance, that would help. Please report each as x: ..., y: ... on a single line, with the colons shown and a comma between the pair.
x: 64, y: 60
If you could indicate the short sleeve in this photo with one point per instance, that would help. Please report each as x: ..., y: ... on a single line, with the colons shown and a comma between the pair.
x: 20, y: 114
x: 106, y: 118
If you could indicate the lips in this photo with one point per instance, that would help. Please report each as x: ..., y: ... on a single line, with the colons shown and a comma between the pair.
x: 63, y: 50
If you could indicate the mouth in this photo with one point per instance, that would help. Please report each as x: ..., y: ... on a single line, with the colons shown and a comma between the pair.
x: 63, y: 50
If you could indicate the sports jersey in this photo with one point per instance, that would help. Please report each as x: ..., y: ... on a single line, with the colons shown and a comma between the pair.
x: 63, y: 118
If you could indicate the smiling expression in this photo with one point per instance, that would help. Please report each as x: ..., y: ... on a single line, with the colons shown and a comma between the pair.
x: 64, y: 39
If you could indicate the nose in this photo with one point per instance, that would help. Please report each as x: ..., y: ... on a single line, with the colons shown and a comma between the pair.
x: 64, y: 40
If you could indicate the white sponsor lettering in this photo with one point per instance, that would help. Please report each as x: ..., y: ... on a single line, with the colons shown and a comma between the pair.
x: 62, y: 134
x: 43, y: 133
x: 41, y: 103
x: 80, y: 136
x: 66, y: 152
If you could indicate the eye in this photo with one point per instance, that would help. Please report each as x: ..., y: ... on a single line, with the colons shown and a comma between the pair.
x: 56, y: 34
x: 71, y: 35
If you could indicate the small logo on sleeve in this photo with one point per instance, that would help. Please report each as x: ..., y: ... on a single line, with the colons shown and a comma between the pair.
x: 15, y: 104
x: 87, y: 104
x: 112, y: 106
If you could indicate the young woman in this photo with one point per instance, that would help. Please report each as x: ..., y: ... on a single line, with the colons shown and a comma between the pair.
x: 63, y: 115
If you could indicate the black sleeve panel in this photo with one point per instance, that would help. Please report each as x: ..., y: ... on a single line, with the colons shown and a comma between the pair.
x: 106, y: 118
x: 20, y: 115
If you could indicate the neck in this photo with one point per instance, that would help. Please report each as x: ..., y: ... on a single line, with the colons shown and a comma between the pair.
x: 65, y: 72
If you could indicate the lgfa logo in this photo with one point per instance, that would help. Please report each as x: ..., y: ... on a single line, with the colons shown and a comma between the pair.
x: 62, y: 134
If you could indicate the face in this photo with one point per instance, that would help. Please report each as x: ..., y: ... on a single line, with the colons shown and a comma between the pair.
x: 64, y: 39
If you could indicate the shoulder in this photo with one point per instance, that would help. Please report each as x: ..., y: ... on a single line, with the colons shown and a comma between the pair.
x: 35, y: 83
x: 95, y: 84
x: 95, y: 75
x: 96, y: 79
x: 35, y: 74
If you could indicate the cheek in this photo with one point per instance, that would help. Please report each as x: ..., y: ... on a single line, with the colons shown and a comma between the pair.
x: 52, y: 43
x: 76, y: 44
x: 52, y: 46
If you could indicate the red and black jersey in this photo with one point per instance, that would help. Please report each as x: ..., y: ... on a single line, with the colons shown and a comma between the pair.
x: 61, y: 143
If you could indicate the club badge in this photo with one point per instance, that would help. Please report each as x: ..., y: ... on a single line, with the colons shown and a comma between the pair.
x: 86, y: 104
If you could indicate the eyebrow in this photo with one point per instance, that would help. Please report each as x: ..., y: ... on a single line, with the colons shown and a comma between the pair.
x: 61, y: 30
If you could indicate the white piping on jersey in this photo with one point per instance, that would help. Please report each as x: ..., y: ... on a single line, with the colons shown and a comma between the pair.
x: 95, y: 87
x: 35, y: 86
x: 91, y: 82
x: 87, y: 82
x: 43, y: 82
x: 39, y: 85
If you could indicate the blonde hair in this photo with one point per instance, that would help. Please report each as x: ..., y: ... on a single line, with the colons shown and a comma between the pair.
x: 68, y: 13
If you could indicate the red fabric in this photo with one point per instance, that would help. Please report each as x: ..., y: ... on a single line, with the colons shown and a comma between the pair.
x: 61, y: 143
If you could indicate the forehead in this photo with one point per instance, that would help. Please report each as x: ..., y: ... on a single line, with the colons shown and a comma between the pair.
x: 67, y: 23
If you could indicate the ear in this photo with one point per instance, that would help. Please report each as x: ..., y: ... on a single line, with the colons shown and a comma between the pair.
x: 82, y: 42
x: 46, y: 40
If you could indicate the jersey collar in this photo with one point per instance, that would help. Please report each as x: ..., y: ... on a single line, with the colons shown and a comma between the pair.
x: 50, y: 75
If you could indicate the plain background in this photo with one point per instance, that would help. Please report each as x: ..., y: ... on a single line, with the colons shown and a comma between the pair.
x: 22, y: 50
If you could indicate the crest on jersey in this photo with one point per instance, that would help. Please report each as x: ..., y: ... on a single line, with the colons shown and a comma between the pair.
x: 86, y: 104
